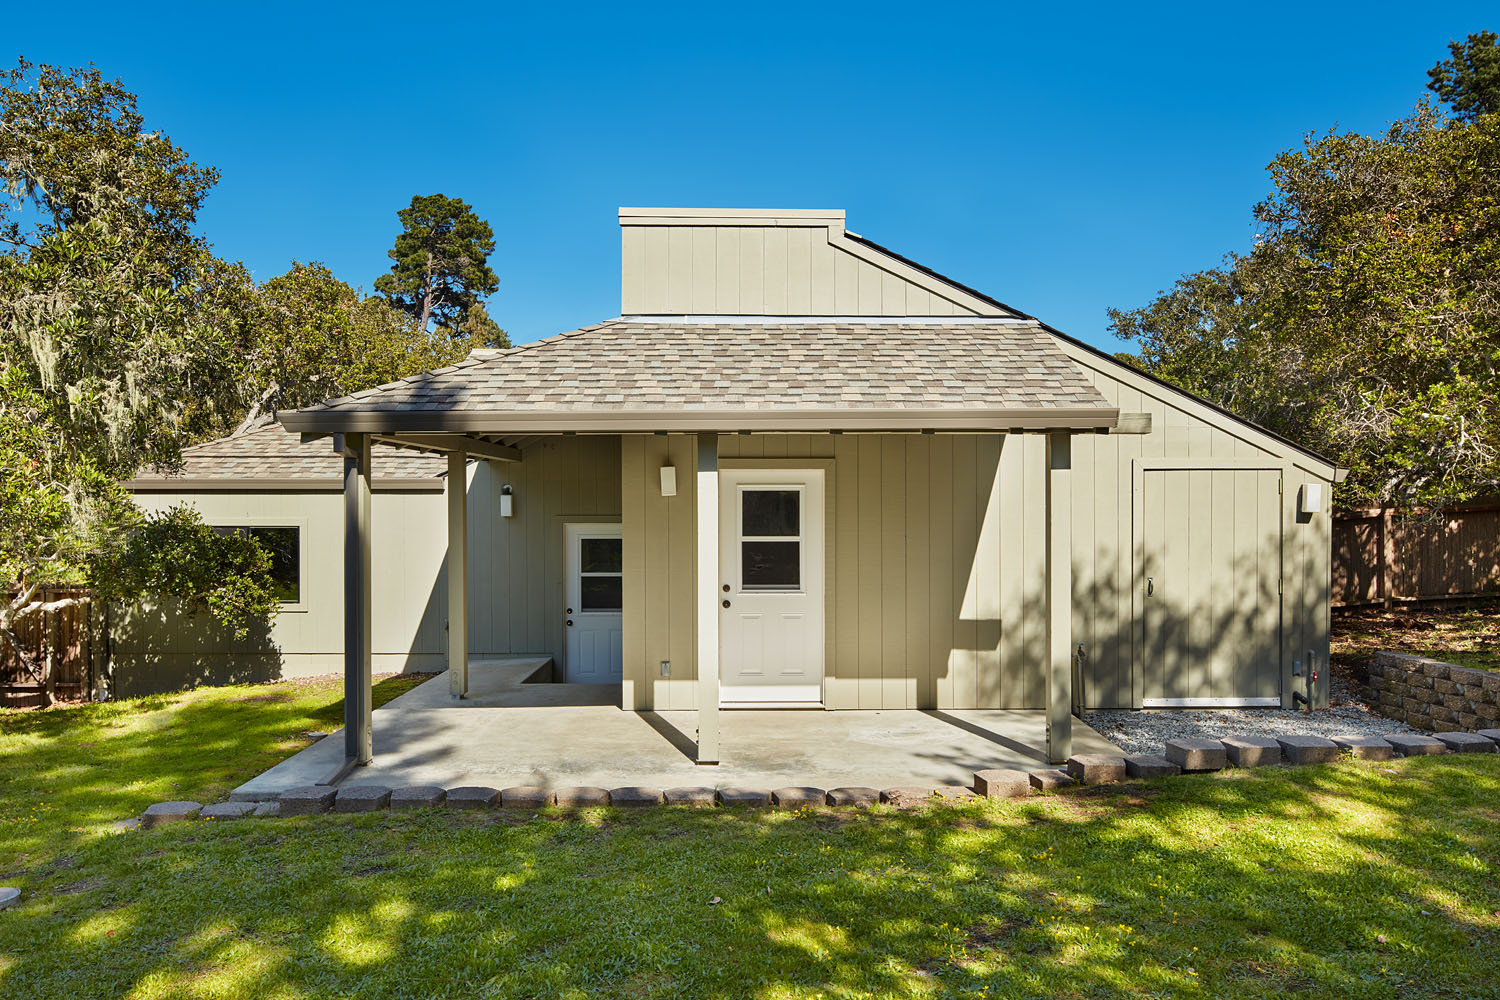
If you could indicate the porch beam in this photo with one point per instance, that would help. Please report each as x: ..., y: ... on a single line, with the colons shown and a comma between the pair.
x: 708, y: 598
x: 358, y: 740
x: 458, y: 574
x: 1059, y: 597
x: 451, y: 443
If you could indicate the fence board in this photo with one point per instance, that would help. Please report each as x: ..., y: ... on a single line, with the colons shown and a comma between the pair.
x: 1380, y: 556
x: 57, y: 641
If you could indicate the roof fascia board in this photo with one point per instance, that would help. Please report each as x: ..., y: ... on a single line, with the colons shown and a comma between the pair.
x: 256, y: 484
x: 446, y: 443
x: 1090, y: 418
x: 732, y: 216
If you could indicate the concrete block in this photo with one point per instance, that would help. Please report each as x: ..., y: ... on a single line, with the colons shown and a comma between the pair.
x: 417, y: 797
x: 9, y: 896
x: 472, y: 797
x: 689, y: 796
x: 307, y: 800
x: 1192, y: 754
x: 1147, y: 765
x: 163, y: 813
x: 362, y: 799
x: 1002, y: 783
x: 1251, y: 751
x: 635, y: 796
x: 797, y: 795
x: 227, y: 810
x: 744, y: 796
x: 582, y: 796
x: 1466, y: 742
x: 267, y: 810
x: 1366, y: 747
x: 1308, y: 749
x: 1050, y: 779
x: 853, y: 795
x: 954, y: 793
x: 1493, y: 735
x: 526, y: 797
x: 906, y: 797
x: 1412, y: 744
x: 1097, y: 768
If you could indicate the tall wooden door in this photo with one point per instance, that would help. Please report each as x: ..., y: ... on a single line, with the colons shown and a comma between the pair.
x: 1211, y: 587
x: 771, y: 597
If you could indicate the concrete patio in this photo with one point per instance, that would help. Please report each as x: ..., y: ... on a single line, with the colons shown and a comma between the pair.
x: 513, y: 730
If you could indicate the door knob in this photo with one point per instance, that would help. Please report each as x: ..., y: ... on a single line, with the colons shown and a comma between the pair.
x: 726, y: 604
x: 570, y: 623
x: 726, y: 588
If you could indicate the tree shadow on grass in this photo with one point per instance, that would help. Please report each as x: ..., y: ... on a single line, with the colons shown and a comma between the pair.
x: 1251, y: 885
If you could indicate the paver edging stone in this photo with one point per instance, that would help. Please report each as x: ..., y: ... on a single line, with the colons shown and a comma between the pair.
x: 954, y: 793
x: 1301, y: 749
x: 176, y: 811
x: 1002, y: 783
x: 308, y: 800
x: 905, y: 796
x: 526, y: 797
x: 361, y: 799
x: 635, y: 796
x: 1195, y: 755
x: 581, y: 796
x: 853, y: 795
x: 1414, y: 745
x: 227, y: 810
x: 1146, y: 765
x: 735, y: 796
x: 1252, y: 751
x: 1050, y: 779
x: 418, y: 797
x: 1365, y: 747
x: 1466, y: 742
x: 793, y: 796
x: 472, y: 797
x: 1097, y: 768
x: 690, y: 796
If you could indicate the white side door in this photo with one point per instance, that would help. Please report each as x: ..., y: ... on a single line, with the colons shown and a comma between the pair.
x: 771, y: 597
x: 594, y: 572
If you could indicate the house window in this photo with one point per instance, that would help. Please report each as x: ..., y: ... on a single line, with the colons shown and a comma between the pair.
x: 285, y: 550
x: 770, y: 539
x: 600, y: 575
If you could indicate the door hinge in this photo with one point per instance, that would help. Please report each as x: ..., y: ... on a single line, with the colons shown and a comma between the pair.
x: 1278, y: 585
x: 1278, y: 486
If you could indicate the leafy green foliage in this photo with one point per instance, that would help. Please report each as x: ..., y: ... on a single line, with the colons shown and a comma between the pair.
x: 1365, y: 322
x: 441, y: 268
x: 1469, y: 80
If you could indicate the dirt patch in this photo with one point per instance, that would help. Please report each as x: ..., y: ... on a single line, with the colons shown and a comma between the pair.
x: 1468, y: 635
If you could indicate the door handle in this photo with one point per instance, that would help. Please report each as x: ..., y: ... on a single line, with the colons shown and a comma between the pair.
x: 570, y: 623
x: 1150, y: 585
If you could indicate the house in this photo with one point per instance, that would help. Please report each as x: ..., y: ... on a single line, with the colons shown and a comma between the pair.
x: 801, y: 470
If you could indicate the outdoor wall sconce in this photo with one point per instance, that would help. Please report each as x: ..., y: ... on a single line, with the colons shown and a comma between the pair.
x: 1312, y: 498
x: 506, y: 500
x: 669, y: 480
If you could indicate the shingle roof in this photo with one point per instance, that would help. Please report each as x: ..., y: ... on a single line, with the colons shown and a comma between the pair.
x: 630, y: 365
x: 269, y: 451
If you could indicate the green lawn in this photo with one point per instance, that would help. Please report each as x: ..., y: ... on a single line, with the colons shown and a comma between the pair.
x: 1349, y: 880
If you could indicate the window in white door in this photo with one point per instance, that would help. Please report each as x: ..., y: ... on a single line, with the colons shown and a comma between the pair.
x: 600, y: 575
x: 771, y: 538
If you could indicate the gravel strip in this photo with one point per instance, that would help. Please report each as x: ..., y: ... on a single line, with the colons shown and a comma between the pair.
x: 1146, y: 731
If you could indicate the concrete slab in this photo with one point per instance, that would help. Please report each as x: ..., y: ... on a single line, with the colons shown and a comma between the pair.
x: 513, y: 732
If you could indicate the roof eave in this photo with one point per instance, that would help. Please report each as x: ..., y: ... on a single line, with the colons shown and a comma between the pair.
x: 641, y: 421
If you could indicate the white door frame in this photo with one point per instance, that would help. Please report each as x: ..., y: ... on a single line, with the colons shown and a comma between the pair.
x: 798, y: 635
x: 577, y: 619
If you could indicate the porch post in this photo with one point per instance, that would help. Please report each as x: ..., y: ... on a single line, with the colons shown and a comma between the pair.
x: 458, y: 574
x: 358, y: 744
x: 708, y: 598
x: 1059, y: 596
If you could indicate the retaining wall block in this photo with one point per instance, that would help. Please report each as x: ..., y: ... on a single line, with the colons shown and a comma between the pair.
x: 853, y: 795
x: 1251, y: 751
x: 472, y: 797
x: 308, y: 800
x: 1146, y: 765
x: 635, y: 796
x: 417, y: 797
x: 1097, y: 768
x: 1308, y: 749
x: 1192, y: 754
x: 1466, y: 742
x: 1413, y: 744
x: 1366, y: 747
x: 1002, y: 783
x: 362, y: 799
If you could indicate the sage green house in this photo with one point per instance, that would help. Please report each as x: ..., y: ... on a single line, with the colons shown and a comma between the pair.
x: 801, y: 470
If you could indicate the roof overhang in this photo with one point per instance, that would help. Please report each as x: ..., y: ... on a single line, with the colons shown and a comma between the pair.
x: 643, y: 421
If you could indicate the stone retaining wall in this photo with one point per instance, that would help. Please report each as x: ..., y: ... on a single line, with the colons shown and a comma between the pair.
x: 1433, y: 695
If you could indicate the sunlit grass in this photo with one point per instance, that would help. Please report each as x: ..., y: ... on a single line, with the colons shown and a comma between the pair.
x: 1358, y: 880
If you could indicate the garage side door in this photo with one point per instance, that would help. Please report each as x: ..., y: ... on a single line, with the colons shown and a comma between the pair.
x: 1211, y: 587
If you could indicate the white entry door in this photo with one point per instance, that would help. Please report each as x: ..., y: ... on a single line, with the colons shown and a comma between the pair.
x: 771, y: 597
x: 595, y: 567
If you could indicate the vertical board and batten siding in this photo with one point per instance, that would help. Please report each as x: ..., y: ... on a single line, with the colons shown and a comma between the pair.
x: 935, y: 595
x: 516, y: 585
x: 158, y: 651
x: 761, y: 270
x: 1108, y: 548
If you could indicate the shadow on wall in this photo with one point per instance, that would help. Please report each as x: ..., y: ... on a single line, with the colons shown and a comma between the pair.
x: 171, y: 649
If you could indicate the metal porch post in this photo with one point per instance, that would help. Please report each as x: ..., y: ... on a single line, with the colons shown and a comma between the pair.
x: 707, y: 593
x: 458, y: 574
x: 1059, y: 596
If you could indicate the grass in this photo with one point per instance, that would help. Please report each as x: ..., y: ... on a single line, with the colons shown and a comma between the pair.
x: 1468, y: 636
x: 1351, y: 880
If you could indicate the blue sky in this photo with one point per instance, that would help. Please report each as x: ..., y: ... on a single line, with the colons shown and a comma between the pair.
x: 1061, y: 157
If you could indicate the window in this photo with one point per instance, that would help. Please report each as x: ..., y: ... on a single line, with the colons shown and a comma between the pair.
x: 600, y: 576
x: 770, y: 539
x: 283, y: 545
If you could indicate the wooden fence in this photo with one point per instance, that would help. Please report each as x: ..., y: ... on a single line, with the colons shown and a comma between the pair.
x: 60, y: 645
x: 1380, y: 556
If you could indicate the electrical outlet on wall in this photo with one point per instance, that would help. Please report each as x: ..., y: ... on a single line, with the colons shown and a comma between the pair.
x: 666, y: 668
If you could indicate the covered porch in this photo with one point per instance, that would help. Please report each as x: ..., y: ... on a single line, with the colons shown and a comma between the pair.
x: 511, y: 733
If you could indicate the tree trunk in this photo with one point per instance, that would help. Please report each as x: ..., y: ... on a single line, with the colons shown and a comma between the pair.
x: 427, y: 294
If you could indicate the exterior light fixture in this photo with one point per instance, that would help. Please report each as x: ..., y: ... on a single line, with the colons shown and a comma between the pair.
x: 506, y: 500
x: 1312, y: 498
x: 669, y: 480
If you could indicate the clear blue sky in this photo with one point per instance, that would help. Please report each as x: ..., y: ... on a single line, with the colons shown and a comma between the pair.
x: 1060, y: 157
